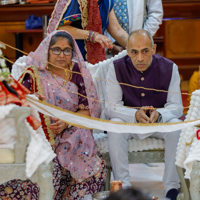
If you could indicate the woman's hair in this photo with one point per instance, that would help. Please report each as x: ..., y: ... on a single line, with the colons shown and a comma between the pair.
x: 129, y: 194
x: 69, y: 38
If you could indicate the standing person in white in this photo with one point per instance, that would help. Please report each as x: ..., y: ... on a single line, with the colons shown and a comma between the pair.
x: 137, y: 14
x: 142, y: 67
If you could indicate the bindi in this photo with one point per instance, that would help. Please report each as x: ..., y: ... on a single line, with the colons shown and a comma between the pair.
x: 138, y: 46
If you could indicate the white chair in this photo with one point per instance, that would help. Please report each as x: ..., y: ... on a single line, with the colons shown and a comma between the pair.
x: 188, y: 154
x: 14, y: 168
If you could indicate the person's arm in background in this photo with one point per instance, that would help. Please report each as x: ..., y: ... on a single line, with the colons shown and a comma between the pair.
x: 154, y: 16
x: 116, y: 31
x: 80, y: 34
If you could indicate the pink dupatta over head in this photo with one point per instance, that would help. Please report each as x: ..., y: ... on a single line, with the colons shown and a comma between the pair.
x: 39, y: 58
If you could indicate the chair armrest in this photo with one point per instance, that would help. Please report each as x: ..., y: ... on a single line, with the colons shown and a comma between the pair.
x: 20, y: 114
x: 184, y: 184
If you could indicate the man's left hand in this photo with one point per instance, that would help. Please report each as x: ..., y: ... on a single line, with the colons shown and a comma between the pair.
x: 153, y: 116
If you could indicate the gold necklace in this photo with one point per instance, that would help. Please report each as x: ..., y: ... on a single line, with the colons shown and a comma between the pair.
x: 65, y: 79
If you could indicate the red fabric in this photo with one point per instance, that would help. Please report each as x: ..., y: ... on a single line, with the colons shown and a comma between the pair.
x: 35, y: 123
x: 6, y: 98
x: 197, y: 134
x: 185, y: 102
x: 44, y: 126
x: 95, y: 53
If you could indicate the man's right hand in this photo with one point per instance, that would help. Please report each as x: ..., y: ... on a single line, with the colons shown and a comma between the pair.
x: 141, y: 116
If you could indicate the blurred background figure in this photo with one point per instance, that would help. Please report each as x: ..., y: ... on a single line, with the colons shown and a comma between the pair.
x: 129, y: 194
x: 194, y: 84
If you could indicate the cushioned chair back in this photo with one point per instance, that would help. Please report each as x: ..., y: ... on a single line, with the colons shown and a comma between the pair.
x: 99, y: 73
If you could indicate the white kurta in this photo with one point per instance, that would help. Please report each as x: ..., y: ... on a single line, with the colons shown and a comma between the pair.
x: 154, y: 16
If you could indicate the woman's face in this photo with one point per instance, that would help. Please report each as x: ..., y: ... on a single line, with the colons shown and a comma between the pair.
x: 61, y: 59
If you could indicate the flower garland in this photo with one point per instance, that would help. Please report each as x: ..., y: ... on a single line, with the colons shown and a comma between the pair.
x: 4, y: 71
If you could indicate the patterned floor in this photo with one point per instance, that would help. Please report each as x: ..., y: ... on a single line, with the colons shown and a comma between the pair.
x: 149, y: 178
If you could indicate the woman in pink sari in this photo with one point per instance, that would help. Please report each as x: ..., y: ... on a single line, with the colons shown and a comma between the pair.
x: 78, y: 170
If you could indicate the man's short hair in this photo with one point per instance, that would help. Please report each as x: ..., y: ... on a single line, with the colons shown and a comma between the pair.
x: 140, y: 32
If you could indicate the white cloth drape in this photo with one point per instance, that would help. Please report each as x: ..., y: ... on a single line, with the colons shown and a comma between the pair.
x: 7, y: 131
x: 38, y: 151
x: 107, y: 125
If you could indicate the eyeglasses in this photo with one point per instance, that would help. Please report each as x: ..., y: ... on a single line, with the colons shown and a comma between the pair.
x: 57, y: 51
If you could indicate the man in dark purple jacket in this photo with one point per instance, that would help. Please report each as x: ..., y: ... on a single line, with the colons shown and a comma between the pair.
x: 143, y: 68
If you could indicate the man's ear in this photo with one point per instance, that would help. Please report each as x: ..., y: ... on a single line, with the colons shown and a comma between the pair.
x: 154, y: 48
